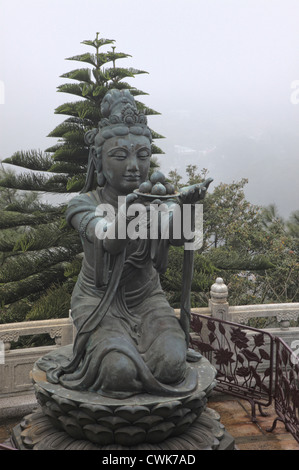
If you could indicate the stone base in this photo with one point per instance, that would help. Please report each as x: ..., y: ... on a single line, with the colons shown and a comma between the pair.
x: 84, y: 420
x: 36, y: 432
x: 139, y: 419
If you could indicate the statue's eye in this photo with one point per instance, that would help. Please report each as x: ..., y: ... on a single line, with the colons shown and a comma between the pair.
x: 143, y: 154
x: 119, y: 153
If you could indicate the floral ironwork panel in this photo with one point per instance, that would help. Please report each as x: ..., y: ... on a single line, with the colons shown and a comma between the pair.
x: 287, y: 388
x: 242, y: 356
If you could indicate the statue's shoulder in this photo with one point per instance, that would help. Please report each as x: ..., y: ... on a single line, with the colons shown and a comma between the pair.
x: 91, y: 198
x: 82, y: 203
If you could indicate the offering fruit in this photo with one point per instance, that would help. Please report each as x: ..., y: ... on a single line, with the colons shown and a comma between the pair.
x: 157, y: 185
x: 169, y: 188
x: 157, y: 177
x: 145, y: 187
x: 159, y: 189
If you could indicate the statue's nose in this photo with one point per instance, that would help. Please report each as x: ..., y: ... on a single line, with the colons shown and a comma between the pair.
x: 132, y: 163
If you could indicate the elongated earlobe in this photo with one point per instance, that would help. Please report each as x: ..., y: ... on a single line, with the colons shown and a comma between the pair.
x: 101, y: 180
x: 97, y: 158
x: 89, y: 175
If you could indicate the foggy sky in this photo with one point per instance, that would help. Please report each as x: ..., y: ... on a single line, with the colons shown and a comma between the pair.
x: 220, y: 73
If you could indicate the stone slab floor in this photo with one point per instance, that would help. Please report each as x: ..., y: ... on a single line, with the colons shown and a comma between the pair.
x: 236, y: 417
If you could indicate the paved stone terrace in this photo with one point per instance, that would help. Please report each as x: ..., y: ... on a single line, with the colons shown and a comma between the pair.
x: 235, y: 416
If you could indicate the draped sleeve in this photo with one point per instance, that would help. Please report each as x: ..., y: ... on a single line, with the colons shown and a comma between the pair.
x: 81, y: 211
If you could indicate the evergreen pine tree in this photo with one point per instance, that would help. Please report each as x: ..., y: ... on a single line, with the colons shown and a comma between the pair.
x: 40, y: 255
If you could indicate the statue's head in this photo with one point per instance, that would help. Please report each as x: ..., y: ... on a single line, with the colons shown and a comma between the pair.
x: 120, y: 148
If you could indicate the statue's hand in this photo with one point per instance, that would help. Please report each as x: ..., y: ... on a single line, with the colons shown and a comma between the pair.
x: 131, y: 198
x: 194, y: 193
x: 133, y: 205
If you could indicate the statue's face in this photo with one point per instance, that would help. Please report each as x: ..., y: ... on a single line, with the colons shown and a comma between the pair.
x: 126, y: 162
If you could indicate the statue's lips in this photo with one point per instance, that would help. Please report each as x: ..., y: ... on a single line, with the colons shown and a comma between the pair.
x: 132, y: 178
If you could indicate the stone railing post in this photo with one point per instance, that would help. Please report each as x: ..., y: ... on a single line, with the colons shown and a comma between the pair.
x: 8, y: 338
x: 218, y: 302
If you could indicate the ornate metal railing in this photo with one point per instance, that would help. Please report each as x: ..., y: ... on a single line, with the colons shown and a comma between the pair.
x: 243, y: 357
x: 253, y: 365
x: 287, y: 388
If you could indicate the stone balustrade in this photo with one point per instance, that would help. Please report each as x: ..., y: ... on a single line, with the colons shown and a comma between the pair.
x: 220, y: 308
x: 58, y: 329
x: 16, y: 364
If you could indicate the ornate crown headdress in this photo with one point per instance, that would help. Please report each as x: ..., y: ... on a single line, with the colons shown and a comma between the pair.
x: 120, y: 116
x: 118, y: 106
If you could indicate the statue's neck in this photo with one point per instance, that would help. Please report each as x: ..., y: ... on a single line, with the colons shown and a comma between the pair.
x: 110, y: 195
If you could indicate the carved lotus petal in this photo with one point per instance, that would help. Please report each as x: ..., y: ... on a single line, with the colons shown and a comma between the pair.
x: 52, y: 409
x: 178, y: 414
x: 32, y: 434
x: 65, y: 404
x: 98, y: 434
x: 198, y: 411
x: 53, y: 418
x: 82, y: 418
x: 132, y: 413
x: 166, y: 409
x: 71, y: 426
x: 184, y: 423
x: 113, y: 422
x: 147, y: 422
x: 194, y: 403
x: 160, y: 432
x: 96, y: 411
x: 27, y: 438
x: 42, y: 395
x: 130, y: 435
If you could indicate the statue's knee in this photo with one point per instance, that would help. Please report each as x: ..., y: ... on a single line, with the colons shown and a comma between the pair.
x: 117, y: 370
x: 172, y: 369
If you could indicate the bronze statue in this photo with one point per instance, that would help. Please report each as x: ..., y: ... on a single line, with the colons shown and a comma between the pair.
x: 129, y: 380
x: 128, y: 339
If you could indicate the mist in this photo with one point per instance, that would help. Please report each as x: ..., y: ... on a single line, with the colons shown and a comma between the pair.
x: 221, y: 73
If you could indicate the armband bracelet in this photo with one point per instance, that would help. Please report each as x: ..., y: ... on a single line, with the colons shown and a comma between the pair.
x: 84, y: 223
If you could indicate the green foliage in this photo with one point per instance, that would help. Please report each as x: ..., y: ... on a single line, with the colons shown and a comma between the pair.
x: 72, y: 270
x: 15, y: 219
x: 22, y: 264
x: 75, y: 183
x: 32, y: 159
x: 9, y: 237
x: 174, y: 178
x: 16, y: 290
x: 34, y: 182
x: 55, y: 303
x: 238, y: 260
x: 293, y: 225
x: 252, y: 248
x: 15, y: 312
x: 45, y: 237
x: 204, y: 277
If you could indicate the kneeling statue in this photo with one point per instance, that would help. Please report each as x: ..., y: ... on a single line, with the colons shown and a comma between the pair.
x: 128, y: 338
